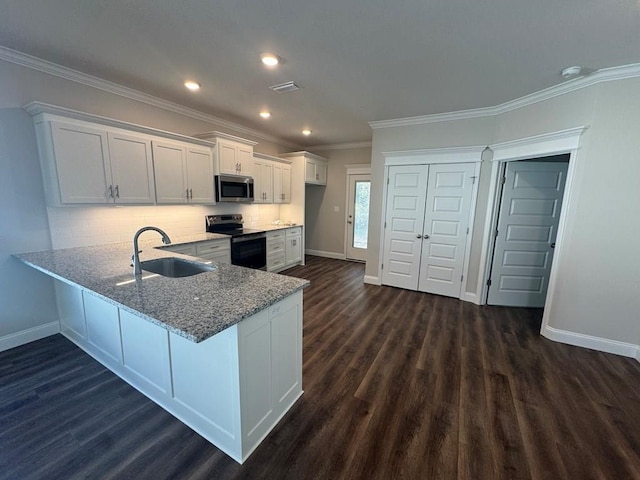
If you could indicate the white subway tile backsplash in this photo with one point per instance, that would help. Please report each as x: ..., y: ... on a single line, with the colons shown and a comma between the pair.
x: 84, y: 226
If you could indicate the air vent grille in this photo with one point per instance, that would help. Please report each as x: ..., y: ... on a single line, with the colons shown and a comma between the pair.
x: 285, y: 87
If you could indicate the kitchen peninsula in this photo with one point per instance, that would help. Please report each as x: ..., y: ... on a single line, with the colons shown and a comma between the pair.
x: 220, y: 350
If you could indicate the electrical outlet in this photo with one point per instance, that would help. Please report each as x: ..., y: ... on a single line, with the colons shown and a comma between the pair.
x: 336, y: 209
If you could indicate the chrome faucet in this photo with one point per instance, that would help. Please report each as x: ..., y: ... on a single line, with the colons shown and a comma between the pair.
x: 136, y: 253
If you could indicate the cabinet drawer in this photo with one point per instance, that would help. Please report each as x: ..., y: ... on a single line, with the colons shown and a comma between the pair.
x: 276, y: 262
x: 275, y: 246
x: 213, y: 247
x: 292, y: 232
x: 276, y: 235
x: 183, y: 249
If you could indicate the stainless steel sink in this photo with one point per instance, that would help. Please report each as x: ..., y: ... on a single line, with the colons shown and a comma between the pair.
x: 175, y: 267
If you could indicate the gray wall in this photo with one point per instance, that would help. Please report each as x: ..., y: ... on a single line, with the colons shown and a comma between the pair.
x: 598, y: 269
x: 325, y: 228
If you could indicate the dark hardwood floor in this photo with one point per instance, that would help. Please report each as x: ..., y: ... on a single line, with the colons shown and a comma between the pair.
x: 398, y: 384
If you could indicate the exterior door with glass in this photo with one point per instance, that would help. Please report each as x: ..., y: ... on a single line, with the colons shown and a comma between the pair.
x: 358, y: 216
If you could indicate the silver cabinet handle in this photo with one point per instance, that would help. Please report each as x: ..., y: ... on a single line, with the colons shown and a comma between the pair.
x: 191, y: 193
x: 187, y: 193
x: 110, y: 191
x: 117, y: 191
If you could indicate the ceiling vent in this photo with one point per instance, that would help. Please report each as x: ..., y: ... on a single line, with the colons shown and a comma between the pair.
x: 285, y: 87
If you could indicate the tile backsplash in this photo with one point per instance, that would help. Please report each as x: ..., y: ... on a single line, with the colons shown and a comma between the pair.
x: 84, y: 226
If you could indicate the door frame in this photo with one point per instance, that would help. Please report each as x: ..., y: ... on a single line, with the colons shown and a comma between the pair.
x: 470, y: 154
x: 352, y: 170
x: 554, y: 143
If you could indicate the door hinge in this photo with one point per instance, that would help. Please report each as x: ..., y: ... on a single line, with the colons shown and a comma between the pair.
x: 473, y: 179
x: 496, y: 234
x: 461, y: 277
x: 385, y: 224
x: 382, y: 267
x: 467, y: 230
x: 489, y: 283
x: 504, y: 180
x: 387, y: 180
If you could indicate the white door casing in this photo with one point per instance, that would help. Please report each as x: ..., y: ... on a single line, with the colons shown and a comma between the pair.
x: 528, y: 222
x: 446, y: 228
x: 404, y: 222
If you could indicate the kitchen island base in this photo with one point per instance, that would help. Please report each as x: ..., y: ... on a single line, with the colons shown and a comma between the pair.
x: 231, y: 388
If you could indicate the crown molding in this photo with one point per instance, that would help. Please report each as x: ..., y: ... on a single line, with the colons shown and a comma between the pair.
x: 216, y: 135
x: 341, y: 146
x: 45, y: 66
x: 304, y: 154
x: 271, y: 158
x: 599, y: 76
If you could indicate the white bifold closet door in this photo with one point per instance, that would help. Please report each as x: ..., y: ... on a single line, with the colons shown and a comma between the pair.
x: 426, y: 227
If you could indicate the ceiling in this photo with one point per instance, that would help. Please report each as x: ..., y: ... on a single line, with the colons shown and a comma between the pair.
x: 356, y: 61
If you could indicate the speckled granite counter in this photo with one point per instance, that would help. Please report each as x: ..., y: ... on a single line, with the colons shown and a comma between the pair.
x: 195, y: 307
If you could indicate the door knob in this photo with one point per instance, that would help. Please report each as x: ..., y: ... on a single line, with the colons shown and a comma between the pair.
x: 349, y: 222
x: 418, y: 236
x: 553, y: 245
x: 425, y: 236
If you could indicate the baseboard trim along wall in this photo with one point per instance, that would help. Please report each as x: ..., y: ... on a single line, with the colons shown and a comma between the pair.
x: 594, y: 343
x: 320, y: 253
x: 470, y: 297
x: 27, y: 336
x: 371, y: 280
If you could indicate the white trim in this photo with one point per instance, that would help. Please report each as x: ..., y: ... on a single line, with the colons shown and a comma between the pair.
x: 434, y: 155
x: 545, y: 144
x: 603, y: 75
x: 470, y: 297
x: 271, y: 158
x: 472, y: 217
x: 356, y: 169
x: 29, y: 335
x: 594, y: 343
x: 320, y: 253
x: 488, y: 240
x: 371, y: 280
x: 34, y: 63
x: 226, y: 136
x: 303, y: 153
x: 341, y: 146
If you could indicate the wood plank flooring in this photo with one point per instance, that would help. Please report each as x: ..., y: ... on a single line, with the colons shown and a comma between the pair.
x: 398, y: 385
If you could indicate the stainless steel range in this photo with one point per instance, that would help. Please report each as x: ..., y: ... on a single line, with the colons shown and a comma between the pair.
x: 248, y: 247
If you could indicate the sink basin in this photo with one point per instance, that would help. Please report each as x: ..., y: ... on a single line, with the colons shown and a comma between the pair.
x: 175, y: 267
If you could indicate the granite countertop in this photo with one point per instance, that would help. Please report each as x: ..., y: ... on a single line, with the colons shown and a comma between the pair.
x: 271, y: 227
x: 195, y: 307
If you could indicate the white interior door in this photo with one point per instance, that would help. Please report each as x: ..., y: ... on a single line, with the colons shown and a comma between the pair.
x: 444, y: 239
x: 358, y: 216
x: 527, y: 228
x: 404, y: 220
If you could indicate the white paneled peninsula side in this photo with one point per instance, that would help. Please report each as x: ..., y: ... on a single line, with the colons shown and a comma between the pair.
x: 220, y: 350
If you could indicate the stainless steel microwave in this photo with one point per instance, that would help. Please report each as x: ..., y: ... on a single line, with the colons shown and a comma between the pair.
x: 233, y: 188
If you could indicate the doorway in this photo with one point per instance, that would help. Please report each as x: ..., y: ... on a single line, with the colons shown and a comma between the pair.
x: 525, y: 231
x: 357, y: 227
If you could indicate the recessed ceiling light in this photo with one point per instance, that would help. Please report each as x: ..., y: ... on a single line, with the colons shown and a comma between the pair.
x: 265, y: 114
x: 269, y: 59
x: 306, y: 132
x: 191, y: 85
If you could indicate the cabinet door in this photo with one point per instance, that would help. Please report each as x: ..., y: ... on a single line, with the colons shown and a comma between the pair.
x: 245, y: 159
x: 82, y: 163
x: 228, y: 158
x: 131, y: 168
x: 258, y: 191
x: 294, y: 250
x: 310, y: 171
x: 286, y: 348
x: 216, y: 250
x: 200, y: 175
x: 170, y: 172
x: 263, y: 182
x: 103, y: 329
x: 277, y: 183
x: 286, y: 184
x: 321, y: 173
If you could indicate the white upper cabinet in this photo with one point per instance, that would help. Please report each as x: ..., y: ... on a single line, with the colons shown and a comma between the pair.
x: 262, y: 181
x: 183, y: 174
x: 131, y: 168
x: 233, y: 155
x: 281, y: 183
x: 88, y: 160
x: 315, y: 166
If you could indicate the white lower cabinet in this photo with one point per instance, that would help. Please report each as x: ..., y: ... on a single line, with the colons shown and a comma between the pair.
x: 216, y: 250
x: 232, y: 388
x: 293, y: 246
x: 276, y: 250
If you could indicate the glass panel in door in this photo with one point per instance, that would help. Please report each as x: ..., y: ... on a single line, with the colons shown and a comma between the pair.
x: 358, y: 216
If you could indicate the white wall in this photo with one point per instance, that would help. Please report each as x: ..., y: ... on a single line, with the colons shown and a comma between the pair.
x: 325, y: 228
x: 598, y: 270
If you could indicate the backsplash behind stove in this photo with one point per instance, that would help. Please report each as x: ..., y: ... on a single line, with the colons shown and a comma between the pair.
x: 84, y: 226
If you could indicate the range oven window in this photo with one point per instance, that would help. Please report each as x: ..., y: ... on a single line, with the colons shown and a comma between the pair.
x: 249, y: 251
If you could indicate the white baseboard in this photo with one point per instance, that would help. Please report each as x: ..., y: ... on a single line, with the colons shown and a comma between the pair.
x: 371, y: 280
x: 320, y: 253
x: 594, y: 343
x: 470, y: 297
x: 30, y: 335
